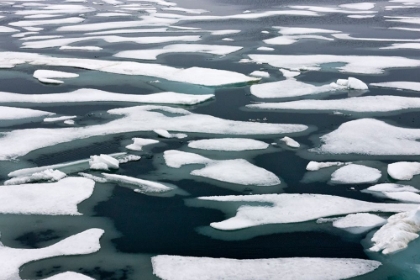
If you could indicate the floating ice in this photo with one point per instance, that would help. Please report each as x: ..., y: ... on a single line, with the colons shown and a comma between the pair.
x: 355, y: 174
x: 370, y: 137
x: 192, y: 268
x: 165, y: 134
x: 128, y: 158
x: 361, y: 16
x: 314, y: 165
x: 294, y: 208
x: 395, y: 235
x: 403, y: 170
x: 69, y: 276
x: 143, y: 186
x: 46, y: 76
x: 83, y: 243
x: 359, y: 6
x: 363, y: 104
x: 60, y: 198
x: 228, y: 144
x: 136, y: 119
x: 103, y: 162
x: 58, y: 119
x: 290, y: 142
x: 152, y: 54
x: 303, y: 30
x: 352, y: 83
x: 414, y: 86
x: 353, y: 63
x: 81, y: 48
x: 236, y: 171
x: 5, y: 29
x: 93, y: 177
x: 320, y: 9
x: 49, y: 175
x: 391, y: 187
x: 194, y: 75
x: 94, y: 95
x: 288, y: 40
x: 139, y: 143
x: 402, y: 196
x: 13, y: 113
x: 262, y: 74
x: 61, y: 21
x: 289, y: 74
x: 359, y: 223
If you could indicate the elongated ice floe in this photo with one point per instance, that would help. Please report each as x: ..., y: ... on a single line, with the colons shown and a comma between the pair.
x: 139, y: 143
x: 165, y: 134
x: 303, y: 30
x: 314, y: 165
x: 48, y: 76
x: 355, y: 174
x: 403, y: 170
x: 293, y: 208
x: 370, y: 137
x: 60, y: 198
x: 396, y: 46
x: 94, y: 95
x: 26, y: 23
x: 103, y: 162
x: 364, y: 104
x: 262, y: 74
x: 228, y: 144
x: 236, y: 171
x: 81, y: 48
x: 193, y: 75
x: 5, y: 29
x: 359, y: 223
x: 400, y: 229
x: 359, y: 6
x: 13, y: 113
x: 290, y: 142
x: 152, y: 54
x: 83, y: 243
x: 192, y: 268
x: 142, y: 186
x: 49, y: 175
x: 414, y: 86
x: 58, y: 119
x: 353, y: 63
x: 391, y: 187
x: 139, y: 118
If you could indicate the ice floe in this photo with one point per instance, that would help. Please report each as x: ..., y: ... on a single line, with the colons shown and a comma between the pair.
x: 293, y: 208
x: 49, y: 175
x: 135, y: 119
x: 400, y: 229
x: 236, y: 171
x: 289, y: 74
x: 414, y: 86
x: 391, y: 187
x: 103, y: 162
x: 290, y: 142
x: 58, y: 119
x: 128, y: 158
x: 262, y: 74
x: 152, y: 54
x: 139, y: 143
x: 314, y: 165
x: 61, y: 21
x: 83, y: 243
x: 353, y: 63
x: 359, y: 223
x: 94, y: 95
x: 5, y: 29
x: 303, y: 30
x: 165, y: 134
x: 48, y: 76
x: 60, y: 198
x: 370, y: 137
x: 13, y: 113
x: 142, y: 186
x: 355, y: 174
x: 228, y: 144
x: 265, y: 49
x: 81, y: 48
x: 359, y: 6
x: 69, y: 276
x: 204, y: 268
x: 403, y: 170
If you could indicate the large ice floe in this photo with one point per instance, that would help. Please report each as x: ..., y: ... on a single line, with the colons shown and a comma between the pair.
x: 139, y: 118
x: 83, y: 243
x: 370, y: 137
x: 291, y: 208
x: 59, y: 198
x: 85, y: 95
x: 192, y: 75
x: 236, y: 171
x: 359, y: 223
x: 353, y: 63
x: 49, y: 76
x: 228, y: 144
x: 355, y: 174
x: 152, y: 54
x: 364, y: 104
x: 400, y: 229
x: 293, y: 88
x: 403, y: 170
x: 192, y: 268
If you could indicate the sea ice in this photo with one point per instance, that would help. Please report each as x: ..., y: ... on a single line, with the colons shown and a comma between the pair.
x: 262, y: 74
x: 144, y: 186
x: 228, y: 144
x: 203, y: 268
x: 355, y: 174
x: 49, y: 175
x: 103, y: 162
x: 165, y: 134
x: 139, y: 143
x: 81, y: 48
x: 290, y: 142
x: 391, y: 187
x: 61, y: 21
x: 293, y: 208
x: 46, y: 76
x: 403, y: 170
x: 359, y: 223
x: 69, y: 276
x: 60, y: 198
x: 13, y: 113
x: 414, y: 86
x: 58, y: 119
x: 314, y: 165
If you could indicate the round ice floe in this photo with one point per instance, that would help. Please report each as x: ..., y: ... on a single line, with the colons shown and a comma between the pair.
x: 403, y: 170
x: 228, y: 144
x: 359, y: 223
x: 355, y: 174
x: 203, y: 268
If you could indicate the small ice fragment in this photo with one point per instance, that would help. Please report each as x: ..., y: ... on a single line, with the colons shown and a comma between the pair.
x: 403, y: 170
x: 165, y: 134
x: 144, y: 185
x: 359, y: 223
x: 290, y: 142
x: 262, y: 74
x: 314, y: 165
x: 355, y: 174
x: 228, y: 144
x: 46, y: 76
x: 139, y: 143
x: 103, y: 162
x: 129, y: 158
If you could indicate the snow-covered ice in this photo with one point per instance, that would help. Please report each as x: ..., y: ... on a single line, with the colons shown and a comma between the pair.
x: 142, y: 186
x: 228, y: 144
x: 262, y: 74
x: 290, y: 142
x: 165, y: 134
x: 58, y: 119
x: 359, y: 223
x: 355, y: 174
x: 139, y: 143
x: 49, y: 175
x: 13, y: 113
x: 103, y: 162
x: 391, y: 187
x: 204, y: 268
x: 49, y: 76
x: 414, y: 86
x: 403, y: 170
x: 314, y: 165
